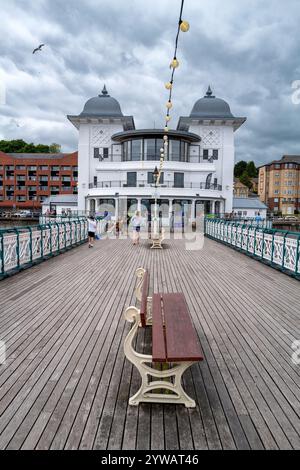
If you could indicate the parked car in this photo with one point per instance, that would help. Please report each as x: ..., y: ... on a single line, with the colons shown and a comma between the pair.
x: 23, y: 213
x: 291, y: 217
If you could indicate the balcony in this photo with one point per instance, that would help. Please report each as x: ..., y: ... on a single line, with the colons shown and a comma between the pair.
x: 145, y: 184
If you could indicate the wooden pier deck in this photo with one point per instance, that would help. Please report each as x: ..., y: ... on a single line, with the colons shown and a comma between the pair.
x: 66, y: 383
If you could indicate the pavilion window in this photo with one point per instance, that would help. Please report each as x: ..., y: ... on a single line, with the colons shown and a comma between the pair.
x: 96, y: 152
x: 205, y: 154
x: 215, y: 154
x: 178, y: 180
x: 105, y: 152
x: 151, y: 149
x: 175, y: 150
x: 136, y: 150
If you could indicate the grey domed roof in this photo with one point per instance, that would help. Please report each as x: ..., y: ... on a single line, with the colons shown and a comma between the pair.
x: 211, y: 107
x: 103, y: 106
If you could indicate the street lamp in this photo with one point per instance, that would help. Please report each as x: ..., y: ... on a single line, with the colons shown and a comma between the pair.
x: 155, y: 220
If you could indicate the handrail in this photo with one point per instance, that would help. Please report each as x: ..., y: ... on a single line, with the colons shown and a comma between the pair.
x: 281, y: 250
x: 21, y: 247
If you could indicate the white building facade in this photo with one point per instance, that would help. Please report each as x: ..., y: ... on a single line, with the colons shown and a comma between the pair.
x: 116, y: 162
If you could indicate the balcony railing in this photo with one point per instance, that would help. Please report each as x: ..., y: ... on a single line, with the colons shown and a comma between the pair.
x: 144, y: 184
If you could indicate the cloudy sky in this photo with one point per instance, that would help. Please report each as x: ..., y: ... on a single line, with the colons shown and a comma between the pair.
x: 248, y: 51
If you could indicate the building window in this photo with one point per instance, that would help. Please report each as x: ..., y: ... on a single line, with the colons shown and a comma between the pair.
x: 151, y: 150
x: 96, y: 153
x: 178, y: 180
x: 276, y: 191
x: 276, y: 199
x: 105, y: 152
x: 136, y: 150
x: 131, y: 179
x: 205, y: 154
x: 95, y: 181
x: 215, y: 154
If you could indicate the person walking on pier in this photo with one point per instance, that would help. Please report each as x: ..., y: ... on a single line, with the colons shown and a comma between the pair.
x: 92, y: 227
x: 136, y: 223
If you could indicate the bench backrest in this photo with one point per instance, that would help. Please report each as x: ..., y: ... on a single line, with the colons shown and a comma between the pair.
x: 142, y: 292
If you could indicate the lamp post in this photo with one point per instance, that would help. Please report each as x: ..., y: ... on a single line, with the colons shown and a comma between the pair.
x: 155, y: 220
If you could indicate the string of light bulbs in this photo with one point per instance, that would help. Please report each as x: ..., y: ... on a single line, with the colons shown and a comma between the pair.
x: 183, y: 26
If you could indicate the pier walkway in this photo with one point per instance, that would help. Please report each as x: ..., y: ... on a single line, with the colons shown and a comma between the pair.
x: 66, y: 383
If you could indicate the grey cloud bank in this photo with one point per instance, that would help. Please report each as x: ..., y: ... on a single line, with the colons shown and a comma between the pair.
x: 248, y: 51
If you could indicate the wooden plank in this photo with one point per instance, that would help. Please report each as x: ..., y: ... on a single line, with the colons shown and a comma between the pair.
x: 145, y: 293
x: 66, y: 383
x: 182, y: 343
x: 158, y: 338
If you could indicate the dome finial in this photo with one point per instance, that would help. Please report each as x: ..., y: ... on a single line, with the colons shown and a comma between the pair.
x: 104, y: 91
x: 209, y: 93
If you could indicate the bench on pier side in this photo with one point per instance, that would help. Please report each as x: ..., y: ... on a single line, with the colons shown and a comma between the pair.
x: 175, y: 345
x: 158, y: 239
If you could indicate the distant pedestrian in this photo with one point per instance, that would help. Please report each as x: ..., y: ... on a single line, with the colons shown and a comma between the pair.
x: 258, y: 218
x: 136, y: 223
x: 92, y: 227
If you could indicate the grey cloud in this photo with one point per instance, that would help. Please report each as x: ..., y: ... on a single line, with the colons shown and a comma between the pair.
x: 248, y: 51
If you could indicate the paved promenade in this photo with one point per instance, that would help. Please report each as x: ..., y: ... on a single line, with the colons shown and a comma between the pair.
x: 66, y: 383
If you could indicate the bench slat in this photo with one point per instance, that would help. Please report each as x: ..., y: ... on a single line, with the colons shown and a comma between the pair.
x: 145, y: 290
x: 158, y: 338
x: 182, y: 343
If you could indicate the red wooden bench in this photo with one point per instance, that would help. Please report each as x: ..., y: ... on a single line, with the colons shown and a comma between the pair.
x: 175, y: 345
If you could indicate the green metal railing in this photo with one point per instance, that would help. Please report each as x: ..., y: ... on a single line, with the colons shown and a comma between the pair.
x: 278, y: 248
x: 22, y: 247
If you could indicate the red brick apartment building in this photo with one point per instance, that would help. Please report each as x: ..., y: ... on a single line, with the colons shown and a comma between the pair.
x: 26, y: 180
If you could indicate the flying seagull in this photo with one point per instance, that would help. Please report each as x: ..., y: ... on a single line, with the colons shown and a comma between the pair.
x: 38, y: 48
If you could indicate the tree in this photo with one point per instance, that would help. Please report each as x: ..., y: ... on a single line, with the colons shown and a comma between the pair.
x: 20, y: 146
x: 239, y: 168
x: 41, y: 148
x: 251, y: 170
x: 245, y: 179
x: 55, y: 148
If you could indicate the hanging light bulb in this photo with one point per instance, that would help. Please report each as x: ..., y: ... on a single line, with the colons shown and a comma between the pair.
x: 184, y: 26
x: 169, y: 104
x: 168, y: 118
x: 174, y: 64
x: 166, y: 129
x: 168, y: 85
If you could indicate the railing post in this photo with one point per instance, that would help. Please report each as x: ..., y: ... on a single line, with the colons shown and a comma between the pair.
x: 2, y: 253
x: 283, y: 249
x: 58, y: 236
x: 30, y: 244
x: 273, y: 246
x: 49, y: 225
x: 18, y: 247
x: 65, y: 234
x: 42, y: 242
x: 263, y: 243
x: 297, y: 255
